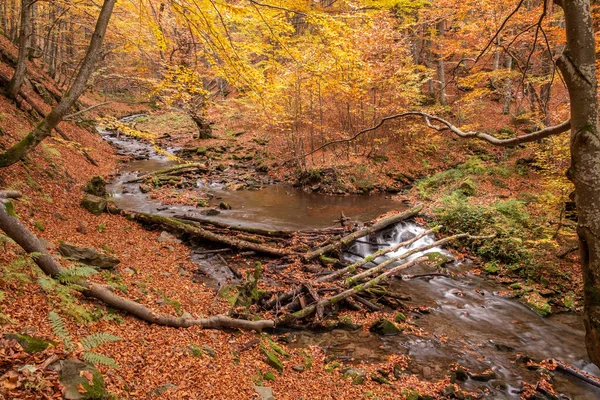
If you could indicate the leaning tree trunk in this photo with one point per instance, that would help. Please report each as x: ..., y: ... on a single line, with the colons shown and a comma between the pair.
x: 44, y: 128
x: 14, y: 86
x: 578, y: 66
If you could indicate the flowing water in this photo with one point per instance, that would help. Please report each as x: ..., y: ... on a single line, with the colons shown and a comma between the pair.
x: 468, y: 321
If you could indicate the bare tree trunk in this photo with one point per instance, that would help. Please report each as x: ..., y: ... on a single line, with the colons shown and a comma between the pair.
x: 507, y: 88
x: 14, y: 86
x: 440, y: 68
x: 44, y: 128
x: 578, y: 66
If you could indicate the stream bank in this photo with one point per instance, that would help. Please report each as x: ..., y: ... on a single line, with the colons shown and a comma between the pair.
x: 453, y: 319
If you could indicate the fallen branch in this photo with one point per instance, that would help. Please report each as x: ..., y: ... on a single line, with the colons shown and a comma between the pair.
x: 70, y: 116
x: 346, y: 240
x: 195, y: 231
x: 31, y: 244
x: 355, y: 289
x: 223, y: 225
x: 577, y: 373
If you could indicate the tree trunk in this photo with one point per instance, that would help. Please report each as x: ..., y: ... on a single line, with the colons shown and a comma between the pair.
x: 507, y: 88
x: 44, y: 128
x: 14, y: 86
x: 440, y: 68
x: 578, y: 66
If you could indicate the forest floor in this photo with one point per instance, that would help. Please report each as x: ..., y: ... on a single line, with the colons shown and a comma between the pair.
x: 160, y: 362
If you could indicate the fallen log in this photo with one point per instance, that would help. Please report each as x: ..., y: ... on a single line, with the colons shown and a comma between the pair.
x: 577, y: 373
x: 247, y: 229
x: 282, y: 298
x: 370, y: 272
x: 305, y: 312
x: 31, y: 244
x: 198, y: 166
x: 379, y: 225
x: 177, y: 225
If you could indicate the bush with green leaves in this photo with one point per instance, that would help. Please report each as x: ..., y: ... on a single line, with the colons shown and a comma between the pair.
x: 508, y: 220
x: 88, y: 343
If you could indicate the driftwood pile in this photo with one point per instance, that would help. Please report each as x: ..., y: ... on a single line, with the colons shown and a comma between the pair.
x: 329, y: 284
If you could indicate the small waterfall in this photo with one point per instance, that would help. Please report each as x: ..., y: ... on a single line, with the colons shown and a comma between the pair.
x: 391, y: 237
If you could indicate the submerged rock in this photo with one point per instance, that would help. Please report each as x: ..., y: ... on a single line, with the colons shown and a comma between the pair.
x: 88, y: 256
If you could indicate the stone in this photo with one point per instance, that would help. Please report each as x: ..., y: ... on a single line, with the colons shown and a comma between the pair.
x: 88, y: 256
x: 265, y: 393
x: 357, y: 374
x: 145, y: 188
x: 73, y: 377
x: 96, y: 186
x: 166, y: 237
x: 382, y: 380
x: 399, y: 317
x: 427, y: 373
x: 224, y: 206
x: 484, y: 376
x: 187, y: 315
x: 272, y: 360
x: 385, y: 327
x: 82, y: 228
x: 94, y: 204
x: 298, y: 368
x: 29, y: 343
x: 209, y: 350
x: 468, y: 188
x: 210, y: 212
x: 398, y: 371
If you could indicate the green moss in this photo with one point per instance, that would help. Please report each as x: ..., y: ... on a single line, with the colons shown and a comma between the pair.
x: 39, y: 225
x: 272, y: 360
x: 399, y: 317
x: 268, y: 376
x: 328, y: 260
x: 29, y: 343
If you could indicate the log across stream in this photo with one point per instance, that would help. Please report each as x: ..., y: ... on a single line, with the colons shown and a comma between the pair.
x: 465, y: 319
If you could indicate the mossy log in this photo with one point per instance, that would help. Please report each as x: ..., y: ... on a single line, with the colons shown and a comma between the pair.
x: 379, y: 225
x: 177, y: 225
x: 31, y: 244
x: 191, y: 166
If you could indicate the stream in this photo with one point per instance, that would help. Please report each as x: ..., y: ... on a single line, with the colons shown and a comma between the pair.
x: 468, y: 322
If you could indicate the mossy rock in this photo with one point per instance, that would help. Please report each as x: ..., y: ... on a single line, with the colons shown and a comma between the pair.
x: 385, y: 327
x: 468, y: 188
x: 77, y: 386
x: 224, y: 206
x: 29, y: 343
x: 491, y: 268
x: 94, y: 204
x: 438, y: 258
x: 272, y: 360
x: 96, y: 187
x: 399, y: 317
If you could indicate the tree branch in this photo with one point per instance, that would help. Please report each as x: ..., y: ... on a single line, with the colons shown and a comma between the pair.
x: 448, y: 126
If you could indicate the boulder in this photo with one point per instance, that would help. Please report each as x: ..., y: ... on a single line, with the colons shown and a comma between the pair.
x: 81, y: 381
x: 94, y: 204
x: 88, y: 256
x: 96, y: 187
x: 385, y: 327
x: 29, y: 343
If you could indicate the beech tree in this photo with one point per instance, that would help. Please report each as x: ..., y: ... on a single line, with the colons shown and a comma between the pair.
x: 14, y: 86
x: 45, y: 127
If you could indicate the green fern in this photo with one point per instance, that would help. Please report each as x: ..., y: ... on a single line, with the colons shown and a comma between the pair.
x: 95, y: 358
x: 60, y: 330
x: 75, y: 274
x: 98, y: 339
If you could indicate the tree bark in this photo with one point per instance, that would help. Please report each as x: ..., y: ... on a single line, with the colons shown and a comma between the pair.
x: 14, y: 86
x: 578, y: 67
x: 44, y: 128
